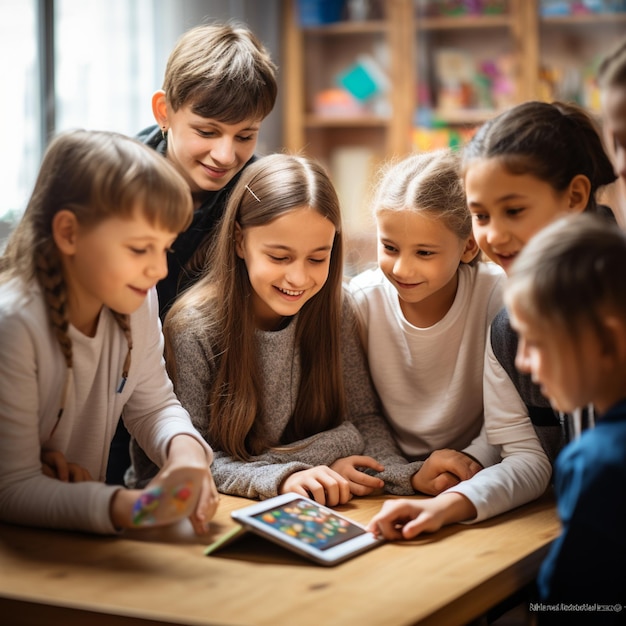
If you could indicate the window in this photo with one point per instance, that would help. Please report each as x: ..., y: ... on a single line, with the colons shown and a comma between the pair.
x: 20, y: 109
x: 104, y: 64
x: 101, y: 76
x: 94, y: 64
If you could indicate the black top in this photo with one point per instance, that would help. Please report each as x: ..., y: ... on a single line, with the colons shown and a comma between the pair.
x: 553, y: 430
x: 183, y: 269
x: 546, y: 422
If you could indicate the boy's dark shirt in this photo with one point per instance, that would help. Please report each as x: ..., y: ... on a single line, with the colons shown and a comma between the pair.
x: 205, y: 218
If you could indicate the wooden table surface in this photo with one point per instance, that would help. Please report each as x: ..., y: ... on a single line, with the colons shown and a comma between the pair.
x: 161, y: 576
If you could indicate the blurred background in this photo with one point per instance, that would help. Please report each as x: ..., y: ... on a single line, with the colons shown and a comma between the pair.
x: 361, y: 82
x: 95, y: 64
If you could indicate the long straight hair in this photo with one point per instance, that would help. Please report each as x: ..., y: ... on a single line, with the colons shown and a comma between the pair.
x: 269, y: 188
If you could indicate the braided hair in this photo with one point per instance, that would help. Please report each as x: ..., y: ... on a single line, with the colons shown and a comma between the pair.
x: 96, y: 175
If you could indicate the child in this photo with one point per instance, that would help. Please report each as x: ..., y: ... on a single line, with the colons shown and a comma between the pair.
x: 612, y: 81
x: 523, y: 169
x: 76, y: 301
x: 426, y: 311
x: 265, y: 354
x: 566, y: 296
x: 219, y: 85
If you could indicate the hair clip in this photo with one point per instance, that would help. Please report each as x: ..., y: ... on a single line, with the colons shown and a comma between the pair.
x: 253, y: 194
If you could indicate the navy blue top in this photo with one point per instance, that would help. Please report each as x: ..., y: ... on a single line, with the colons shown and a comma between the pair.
x: 587, y: 562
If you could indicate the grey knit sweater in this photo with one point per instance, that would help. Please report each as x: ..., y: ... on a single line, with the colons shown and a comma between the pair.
x: 364, y: 431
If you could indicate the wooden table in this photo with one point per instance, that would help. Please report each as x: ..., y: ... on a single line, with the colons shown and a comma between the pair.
x: 162, y: 576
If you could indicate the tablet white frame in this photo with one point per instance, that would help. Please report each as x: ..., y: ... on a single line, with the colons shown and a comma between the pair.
x: 330, y: 556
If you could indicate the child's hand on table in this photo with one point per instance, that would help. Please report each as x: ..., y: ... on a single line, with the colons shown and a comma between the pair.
x: 319, y: 483
x: 405, y: 519
x: 351, y: 468
x: 444, y: 469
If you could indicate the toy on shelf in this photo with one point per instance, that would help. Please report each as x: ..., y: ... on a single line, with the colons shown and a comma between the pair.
x: 554, y: 8
x: 319, y: 12
x: 364, y: 79
x: 464, y: 82
x: 360, y: 89
x: 571, y: 83
x: 427, y: 139
x: 337, y: 102
x: 461, y: 8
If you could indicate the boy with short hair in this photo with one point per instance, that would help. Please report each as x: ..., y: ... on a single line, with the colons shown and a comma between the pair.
x: 219, y: 85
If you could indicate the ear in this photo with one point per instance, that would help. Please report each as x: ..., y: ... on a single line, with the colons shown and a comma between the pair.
x: 159, y: 109
x: 614, y: 343
x: 470, y: 251
x: 578, y: 193
x: 65, y: 231
x: 239, y: 241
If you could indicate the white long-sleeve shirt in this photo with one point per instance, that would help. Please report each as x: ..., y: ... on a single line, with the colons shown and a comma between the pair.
x: 32, y: 377
x: 525, y: 470
x: 430, y: 380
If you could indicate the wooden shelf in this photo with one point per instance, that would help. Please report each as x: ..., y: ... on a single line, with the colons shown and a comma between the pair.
x: 583, y: 19
x: 459, y: 117
x: 353, y: 146
x: 315, y: 55
x: 348, y: 28
x: 464, y: 22
x: 355, y: 121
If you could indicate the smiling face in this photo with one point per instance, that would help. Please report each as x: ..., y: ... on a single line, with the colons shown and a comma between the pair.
x: 420, y: 256
x: 508, y: 209
x: 114, y: 263
x: 208, y: 153
x: 288, y: 261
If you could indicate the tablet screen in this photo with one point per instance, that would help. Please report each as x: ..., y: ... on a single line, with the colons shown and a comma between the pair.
x: 304, y: 521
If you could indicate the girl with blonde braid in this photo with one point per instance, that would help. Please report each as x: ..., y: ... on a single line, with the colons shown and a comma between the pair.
x: 82, y: 343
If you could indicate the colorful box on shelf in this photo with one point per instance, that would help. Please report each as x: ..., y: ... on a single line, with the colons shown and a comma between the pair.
x: 336, y: 102
x: 460, y: 8
x: 427, y: 139
x: 553, y: 8
x: 364, y: 78
x: 319, y: 12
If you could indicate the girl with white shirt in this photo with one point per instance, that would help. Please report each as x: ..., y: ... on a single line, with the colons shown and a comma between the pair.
x: 522, y: 170
x: 82, y: 343
x: 425, y: 313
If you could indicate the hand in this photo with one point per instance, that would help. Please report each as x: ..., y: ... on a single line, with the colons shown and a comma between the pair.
x: 361, y: 484
x: 55, y: 465
x: 405, y: 519
x: 444, y: 469
x: 173, y: 494
x: 207, y: 505
x: 320, y: 483
x: 185, y: 452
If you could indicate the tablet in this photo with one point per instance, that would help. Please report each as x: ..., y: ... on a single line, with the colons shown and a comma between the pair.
x: 306, y: 527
